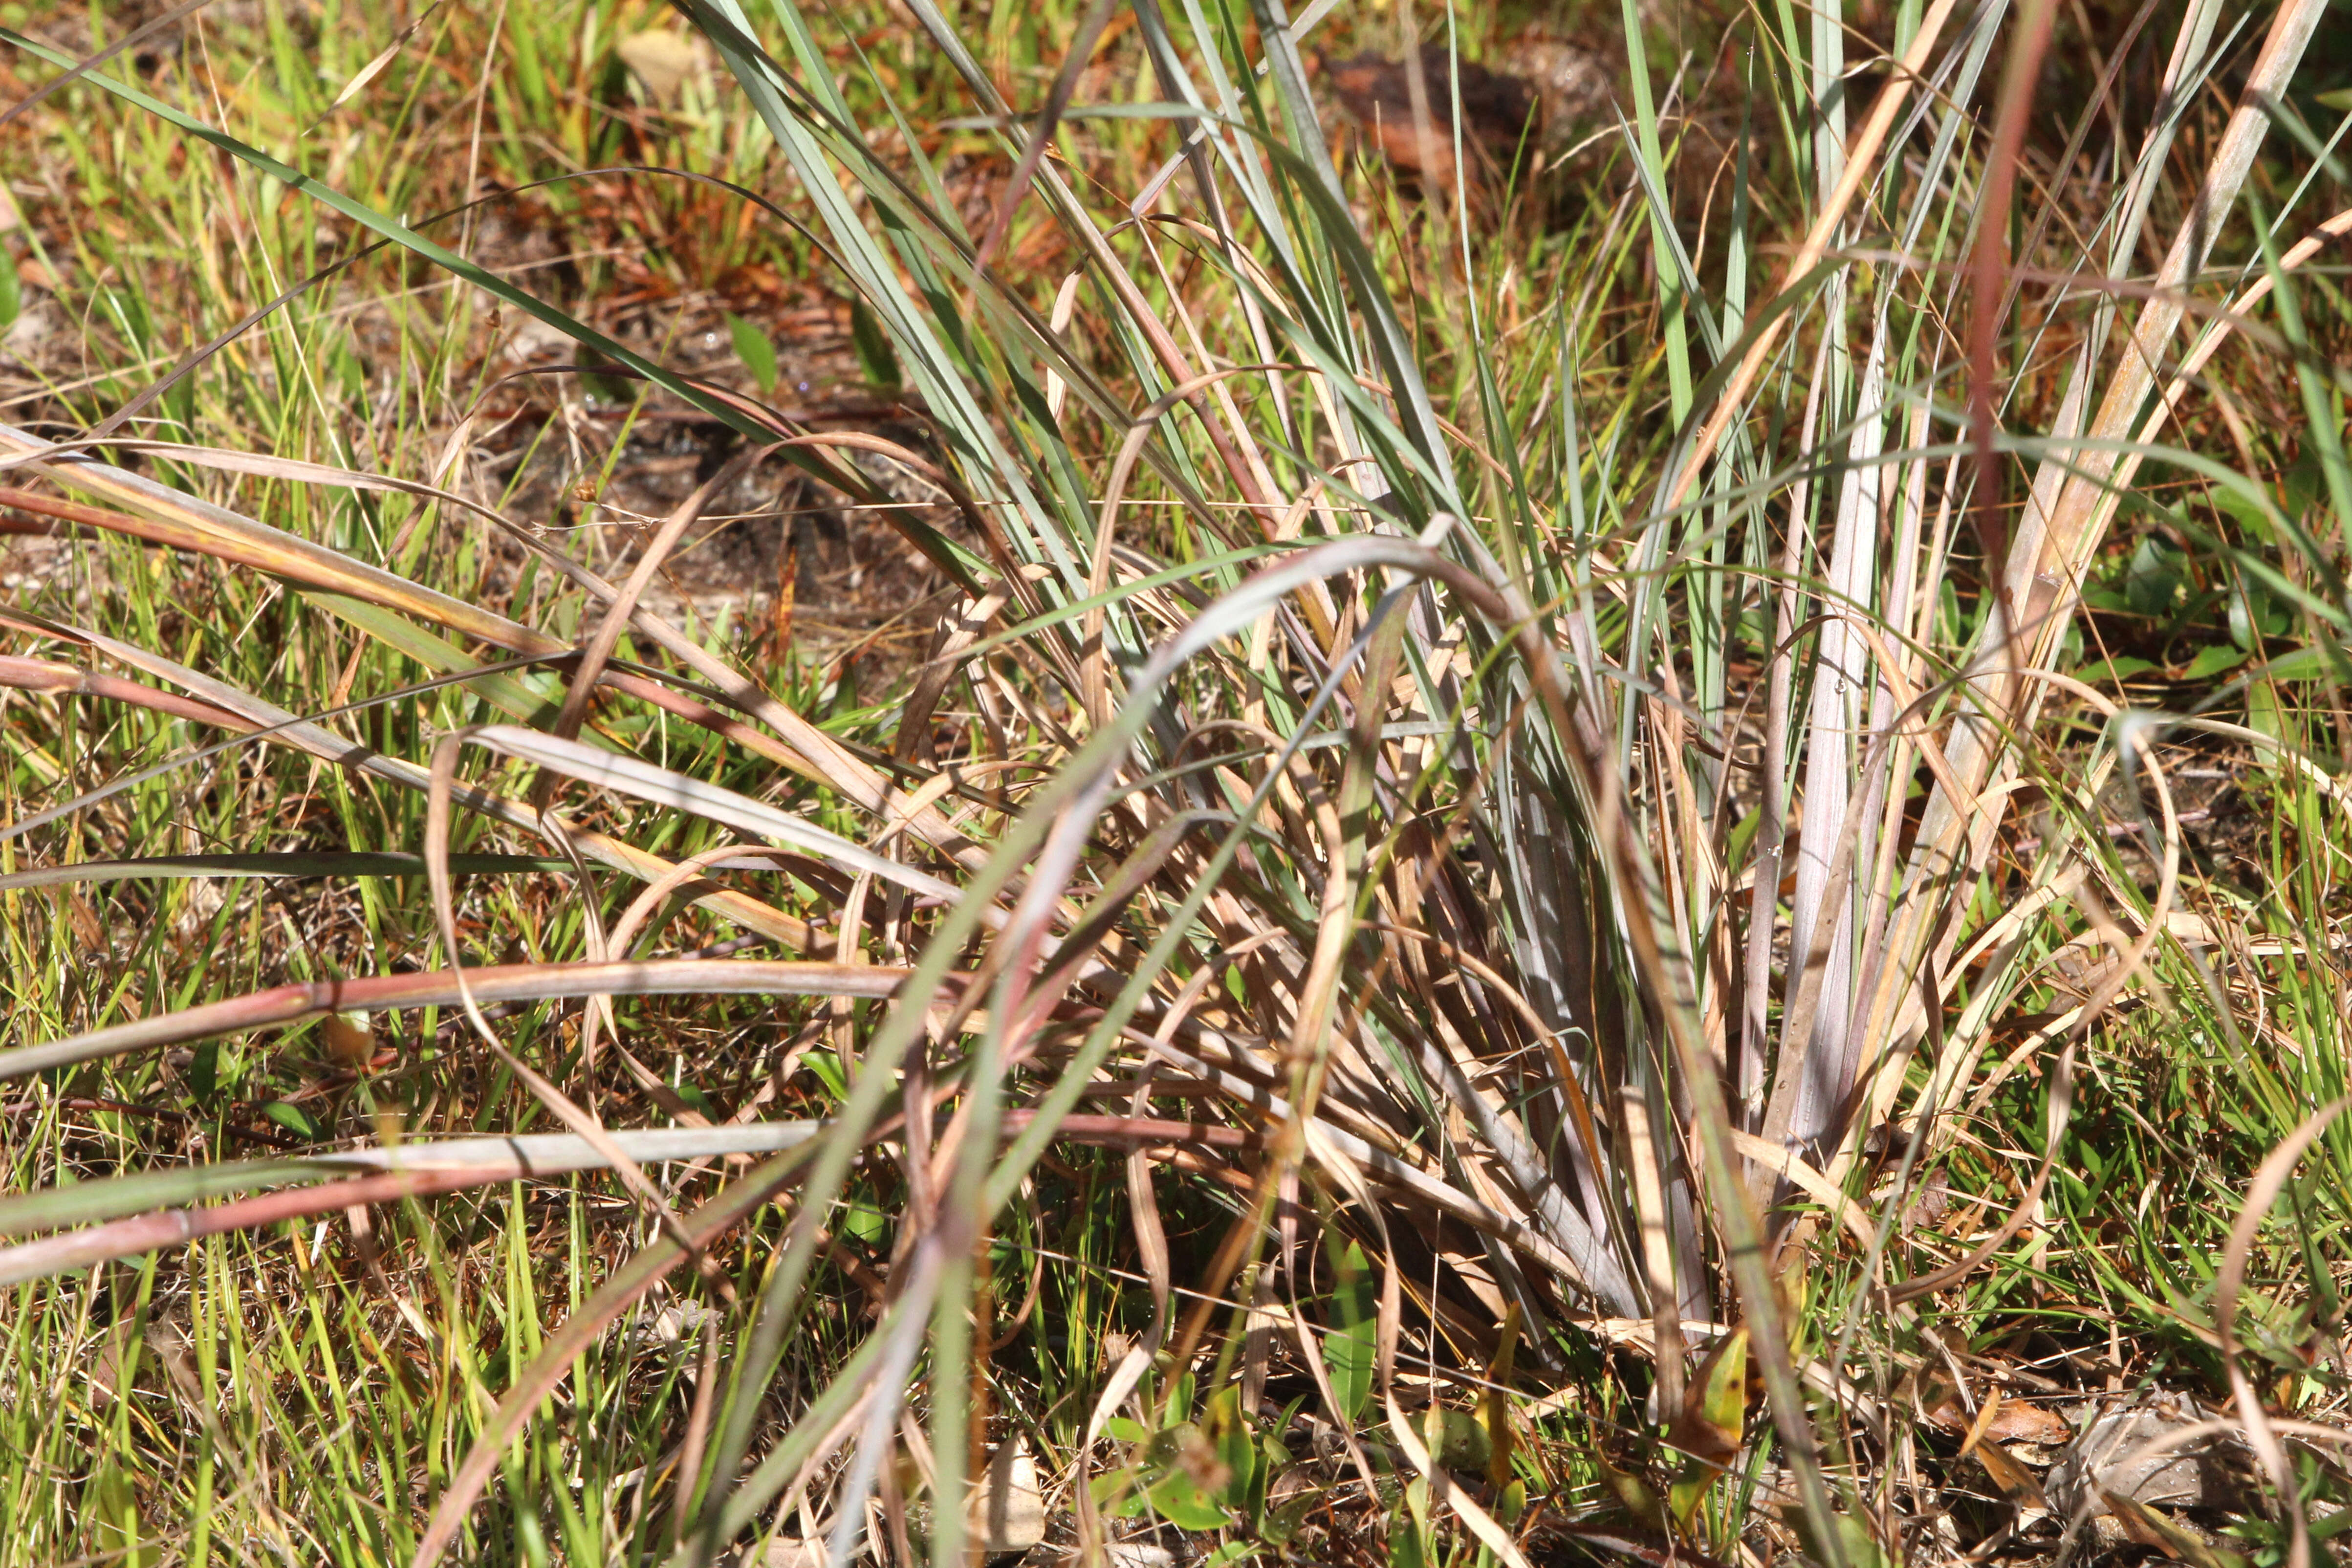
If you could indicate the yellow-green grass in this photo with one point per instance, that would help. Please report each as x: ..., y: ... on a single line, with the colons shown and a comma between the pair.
x: 316, y: 1389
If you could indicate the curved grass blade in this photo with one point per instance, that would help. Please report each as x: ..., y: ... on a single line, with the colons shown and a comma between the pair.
x: 530, y: 1155
x: 441, y: 988
x: 321, y: 863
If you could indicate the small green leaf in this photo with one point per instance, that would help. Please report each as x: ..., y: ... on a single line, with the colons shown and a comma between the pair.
x: 2248, y: 512
x: 1684, y: 1497
x: 2118, y: 669
x: 758, y: 355
x: 1743, y: 834
x: 2245, y: 629
x: 1348, y: 1349
x: 2212, y: 660
x: 1855, y: 1543
x: 1631, y: 1491
x: 1179, y: 1501
x: 203, y: 1073
x: 1118, y: 1495
x: 827, y: 1067
x: 1457, y: 1439
x: 2153, y: 583
x: 1126, y: 1431
x: 865, y: 1221
x: 2303, y: 664
x: 2341, y: 99
x: 1722, y: 1390
x: 1280, y: 1524
x: 1708, y: 1427
x: 1405, y: 1546
x: 113, y: 1510
x: 1180, y: 1403
x: 1171, y: 1443
x: 2335, y: 1523
x: 1236, y: 1449
x: 294, y: 1119
x: 875, y: 357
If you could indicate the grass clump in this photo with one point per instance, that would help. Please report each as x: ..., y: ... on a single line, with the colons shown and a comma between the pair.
x: 814, y: 783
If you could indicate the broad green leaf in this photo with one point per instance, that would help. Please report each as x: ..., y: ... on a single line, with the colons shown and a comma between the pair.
x: 294, y: 1119
x: 1350, y: 1345
x: 1710, y: 1423
x: 1457, y: 1439
x: 865, y: 1221
x: 2211, y: 660
x: 875, y: 357
x: 113, y: 1509
x: 2120, y: 668
x: 1179, y: 1501
x: 757, y: 353
x: 827, y: 1067
x: 1236, y: 1447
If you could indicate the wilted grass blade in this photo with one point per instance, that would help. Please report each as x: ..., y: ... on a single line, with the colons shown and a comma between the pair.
x: 440, y: 988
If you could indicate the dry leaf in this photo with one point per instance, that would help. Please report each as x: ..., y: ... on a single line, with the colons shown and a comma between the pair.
x: 2013, y: 1481
x: 350, y: 1043
x: 2146, y: 1527
x: 792, y: 1551
x: 1715, y: 1404
x: 1006, y: 1512
x: 2012, y: 1421
x: 2107, y: 1459
x: 370, y: 71
x: 661, y: 60
x: 673, y: 1326
x: 1138, y: 1555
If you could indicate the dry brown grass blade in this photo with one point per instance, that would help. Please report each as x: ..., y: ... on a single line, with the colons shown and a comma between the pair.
x: 139, y: 507
x: 2217, y: 333
x: 2045, y: 561
x: 2264, y: 1191
x: 1041, y: 139
x: 1443, y: 1492
x: 596, y: 652
x: 953, y: 635
x: 65, y: 679
x: 166, y: 516
x: 439, y: 988
x: 1861, y: 167
x: 285, y: 729
x: 1152, y: 1249
x: 649, y: 898
x: 583, y: 1122
x: 2062, y: 1102
x: 2051, y: 554
x: 1093, y: 657
x: 163, y: 1228
x: 581, y: 1330
x: 179, y: 524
